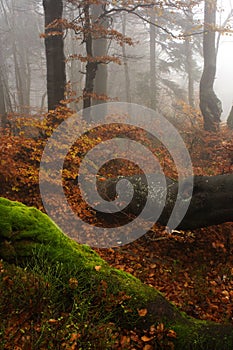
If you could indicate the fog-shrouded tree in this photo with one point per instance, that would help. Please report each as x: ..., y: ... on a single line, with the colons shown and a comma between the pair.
x: 210, y: 105
x: 54, y: 47
x: 100, y: 48
x: 3, y: 112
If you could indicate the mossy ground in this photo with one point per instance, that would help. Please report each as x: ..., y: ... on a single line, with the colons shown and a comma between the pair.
x: 62, y: 292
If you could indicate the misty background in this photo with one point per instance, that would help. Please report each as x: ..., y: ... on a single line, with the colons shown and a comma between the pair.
x: 23, y: 65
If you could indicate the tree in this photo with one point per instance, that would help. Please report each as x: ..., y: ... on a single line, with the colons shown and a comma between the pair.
x: 153, y: 85
x: 54, y: 47
x: 210, y: 105
x: 3, y: 113
x: 230, y: 119
x: 211, y: 200
x: 100, y: 50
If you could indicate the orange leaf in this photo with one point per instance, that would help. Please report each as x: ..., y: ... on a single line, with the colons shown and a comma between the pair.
x: 142, y: 312
x: 171, y: 334
x: 146, y: 339
x: 98, y: 267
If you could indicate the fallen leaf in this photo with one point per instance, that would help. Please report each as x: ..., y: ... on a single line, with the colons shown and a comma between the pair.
x: 98, y: 267
x: 142, y: 312
x: 146, y: 339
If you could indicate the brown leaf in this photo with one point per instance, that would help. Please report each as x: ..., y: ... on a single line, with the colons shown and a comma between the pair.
x: 148, y: 347
x: 142, y: 312
x: 146, y: 339
x: 171, y: 334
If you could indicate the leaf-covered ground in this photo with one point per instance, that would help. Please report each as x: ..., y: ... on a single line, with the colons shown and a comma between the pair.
x: 193, y: 269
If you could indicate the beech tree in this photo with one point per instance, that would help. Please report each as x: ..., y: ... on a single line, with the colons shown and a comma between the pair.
x: 211, y: 200
x: 54, y: 47
x: 210, y: 105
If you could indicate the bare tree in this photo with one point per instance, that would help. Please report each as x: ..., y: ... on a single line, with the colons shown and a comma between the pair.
x: 54, y: 47
x: 210, y: 105
x: 152, y: 60
x: 100, y: 50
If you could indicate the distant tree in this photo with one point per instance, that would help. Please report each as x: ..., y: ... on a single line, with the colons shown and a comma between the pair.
x: 100, y: 47
x: 54, y: 47
x: 153, y: 85
x: 230, y: 119
x: 3, y: 112
x: 210, y: 105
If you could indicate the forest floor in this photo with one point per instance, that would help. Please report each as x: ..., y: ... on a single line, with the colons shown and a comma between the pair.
x: 194, y: 270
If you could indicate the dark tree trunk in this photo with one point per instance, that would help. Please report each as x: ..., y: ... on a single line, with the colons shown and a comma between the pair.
x: 100, y: 50
x: 3, y: 113
x: 91, y: 66
x: 211, y: 203
x: 55, y: 58
x: 230, y: 119
x: 210, y: 105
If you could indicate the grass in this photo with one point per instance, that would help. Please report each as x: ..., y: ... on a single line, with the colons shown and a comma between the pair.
x: 42, y: 311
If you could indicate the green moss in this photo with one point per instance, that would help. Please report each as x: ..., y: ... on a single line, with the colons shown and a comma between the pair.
x: 31, y: 239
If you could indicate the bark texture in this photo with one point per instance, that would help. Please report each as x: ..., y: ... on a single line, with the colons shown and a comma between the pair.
x: 55, y: 58
x: 211, y: 201
x: 210, y: 105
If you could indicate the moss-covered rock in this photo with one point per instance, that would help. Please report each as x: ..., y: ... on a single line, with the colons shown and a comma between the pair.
x: 28, y: 237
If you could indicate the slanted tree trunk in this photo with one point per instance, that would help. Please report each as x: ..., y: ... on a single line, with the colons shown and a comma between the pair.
x: 28, y: 237
x: 210, y: 105
x: 55, y: 58
x: 211, y: 200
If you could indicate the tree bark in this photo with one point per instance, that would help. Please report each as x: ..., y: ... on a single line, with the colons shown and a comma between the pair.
x: 189, y: 64
x: 3, y: 112
x: 100, y: 50
x: 91, y: 66
x: 230, y: 119
x: 211, y: 200
x: 55, y: 58
x: 125, y: 62
x: 210, y: 105
x: 153, y: 90
x: 28, y: 237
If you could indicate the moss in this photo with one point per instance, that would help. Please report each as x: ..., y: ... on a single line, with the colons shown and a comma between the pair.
x: 203, y: 335
x: 30, y: 238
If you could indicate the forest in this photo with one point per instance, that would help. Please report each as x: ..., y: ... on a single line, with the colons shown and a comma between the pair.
x: 116, y: 175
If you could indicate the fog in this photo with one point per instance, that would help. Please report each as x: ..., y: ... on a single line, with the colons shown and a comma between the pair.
x: 224, y: 75
x: 22, y: 25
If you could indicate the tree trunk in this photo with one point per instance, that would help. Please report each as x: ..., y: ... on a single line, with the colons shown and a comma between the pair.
x: 91, y: 66
x: 3, y: 112
x: 28, y: 237
x: 125, y: 62
x: 230, y: 119
x: 189, y: 65
x: 153, y: 92
x: 55, y: 58
x: 210, y: 105
x: 211, y: 200
x: 100, y: 50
